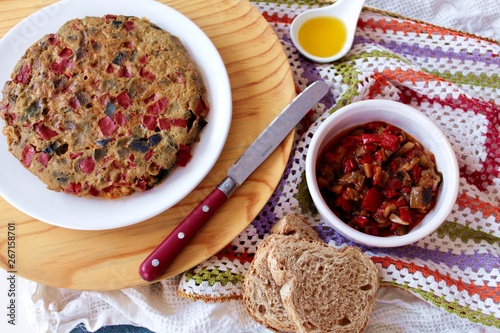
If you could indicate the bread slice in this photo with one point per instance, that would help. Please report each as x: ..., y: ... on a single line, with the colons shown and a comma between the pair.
x: 261, y: 295
x: 324, y: 289
x: 295, y: 225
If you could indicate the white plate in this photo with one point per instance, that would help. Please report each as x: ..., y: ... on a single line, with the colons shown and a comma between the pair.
x: 27, y: 193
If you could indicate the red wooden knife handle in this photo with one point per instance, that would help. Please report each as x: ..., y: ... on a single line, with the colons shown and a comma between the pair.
x: 158, y: 261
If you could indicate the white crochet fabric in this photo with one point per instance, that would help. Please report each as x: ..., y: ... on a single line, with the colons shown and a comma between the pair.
x: 480, y: 17
x: 158, y: 308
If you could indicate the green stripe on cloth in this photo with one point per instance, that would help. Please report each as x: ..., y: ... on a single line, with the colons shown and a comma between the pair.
x: 453, y: 307
x: 212, y: 276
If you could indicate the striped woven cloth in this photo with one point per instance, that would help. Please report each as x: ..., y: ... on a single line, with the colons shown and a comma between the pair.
x: 451, y: 77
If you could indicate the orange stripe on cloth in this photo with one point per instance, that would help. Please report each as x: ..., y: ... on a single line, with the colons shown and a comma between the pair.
x: 229, y: 253
x: 275, y: 18
x: 483, y: 292
x: 410, y: 75
x: 406, y: 27
x: 476, y: 205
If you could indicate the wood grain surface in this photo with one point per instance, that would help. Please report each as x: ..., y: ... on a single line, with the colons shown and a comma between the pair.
x: 262, y: 85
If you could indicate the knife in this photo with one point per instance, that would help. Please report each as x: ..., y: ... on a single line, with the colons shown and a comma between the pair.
x: 157, y: 262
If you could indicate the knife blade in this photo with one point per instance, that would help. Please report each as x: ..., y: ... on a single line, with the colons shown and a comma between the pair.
x: 158, y: 261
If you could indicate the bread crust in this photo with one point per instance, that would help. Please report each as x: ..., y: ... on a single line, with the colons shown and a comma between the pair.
x: 261, y: 295
x: 324, y: 289
x: 297, y: 283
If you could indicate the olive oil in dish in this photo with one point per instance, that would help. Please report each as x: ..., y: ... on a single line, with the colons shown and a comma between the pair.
x: 326, y: 34
x: 323, y: 36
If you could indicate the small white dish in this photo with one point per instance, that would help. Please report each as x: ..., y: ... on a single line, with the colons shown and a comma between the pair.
x: 334, y: 38
x: 412, y: 122
x: 27, y: 193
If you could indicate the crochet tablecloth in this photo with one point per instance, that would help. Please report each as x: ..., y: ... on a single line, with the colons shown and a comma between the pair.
x: 450, y: 76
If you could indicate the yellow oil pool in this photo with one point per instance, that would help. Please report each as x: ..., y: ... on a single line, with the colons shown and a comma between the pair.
x: 322, y: 36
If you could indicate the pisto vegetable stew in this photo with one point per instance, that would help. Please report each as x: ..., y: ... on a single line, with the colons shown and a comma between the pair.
x: 378, y: 179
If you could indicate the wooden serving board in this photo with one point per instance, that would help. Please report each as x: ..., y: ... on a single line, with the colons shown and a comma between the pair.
x: 262, y: 85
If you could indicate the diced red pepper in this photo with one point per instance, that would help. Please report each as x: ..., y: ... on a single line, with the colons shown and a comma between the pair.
x: 43, y: 159
x: 372, y: 200
x: 142, y: 183
x: 183, y: 155
x: 343, y: 203
x: 107, y: 126
x: 59, y: 66
x: 150, y: 122
x: 110, y: 69
x: 165, y: 124
x: 371, y: 138
x: 350, y: 165
x: 110, y: 17
x: 93, y: 191
x: 119, y: 118
x: 28, y: 153
x: 129, y: 25
x: 371, y: 147
x: 45, y: 132
x: 394, y: 184
x: 124, y: 72
x: 66, y: 53
x: 200, y: 106
x: 87, y: 165
x: 361, y: 221
x: 75, y: 155
x: 405, y: 214
x: 180, y: 122
x: 390, y: 129
x: 74, y: 102
x: 367, y: 158
x: 24, y: 75
x: 53, y: 40
x: 124, y: 100
x: 104, y: 99
x: 353, y: 139
x: 144, y: 73
x: 400, y: 201
x: 393, y: 166
x: 416, y: 173
x: 131, y: 161
x: 158, y: 107
x: 74, y: 188
x: 148, y: 155
x: 128, y: 45
x: 144, y: 59
x: 389, y: 193
x: 375, y: 231
x: 390, y: 142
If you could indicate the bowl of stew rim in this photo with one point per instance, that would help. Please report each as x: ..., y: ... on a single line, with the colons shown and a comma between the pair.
x: 412, y: 122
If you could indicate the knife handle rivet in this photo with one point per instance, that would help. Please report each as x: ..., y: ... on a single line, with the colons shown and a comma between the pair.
x: 205, y: 209
x: 180, y: 235
x: 155, y: 262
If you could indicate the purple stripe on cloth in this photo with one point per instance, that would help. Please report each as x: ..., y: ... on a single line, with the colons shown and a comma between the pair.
x: 427, y: 52
x: 474, y: 262
x: 266, y: 218
x: 311, y: 73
